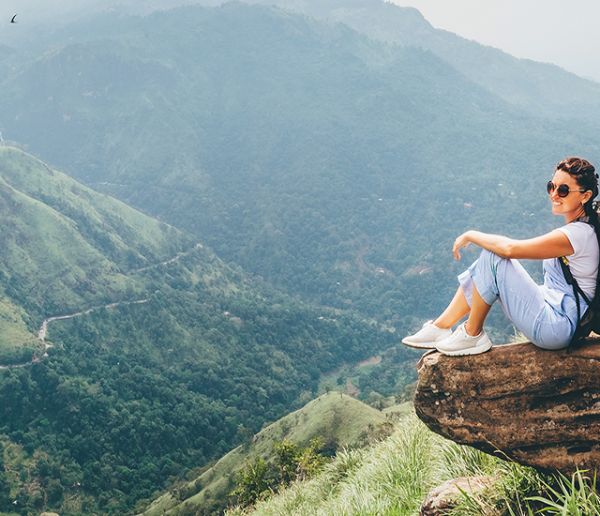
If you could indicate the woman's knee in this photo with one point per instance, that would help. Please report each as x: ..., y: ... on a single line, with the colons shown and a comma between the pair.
x: 491, y: 256
x: 486, y: 275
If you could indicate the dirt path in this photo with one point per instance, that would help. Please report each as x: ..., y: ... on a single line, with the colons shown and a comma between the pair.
x: 43, y: 331
x: 44, y: 327
x: 170, y: 260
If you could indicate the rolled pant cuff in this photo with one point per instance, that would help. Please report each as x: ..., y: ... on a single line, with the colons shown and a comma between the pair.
x: 469, y: 278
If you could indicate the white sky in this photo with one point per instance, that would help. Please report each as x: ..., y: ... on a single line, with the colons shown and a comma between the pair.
x: 563, y: 32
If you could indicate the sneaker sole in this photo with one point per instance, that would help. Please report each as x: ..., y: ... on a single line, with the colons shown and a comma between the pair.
x: 421, y: 345
x: 469, y: 351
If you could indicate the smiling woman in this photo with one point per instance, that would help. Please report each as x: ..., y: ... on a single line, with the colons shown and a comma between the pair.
x: 549, y: 314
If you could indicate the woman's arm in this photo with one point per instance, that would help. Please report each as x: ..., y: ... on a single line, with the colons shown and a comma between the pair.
x: 550, y: 245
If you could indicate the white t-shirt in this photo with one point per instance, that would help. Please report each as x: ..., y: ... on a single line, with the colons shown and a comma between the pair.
x: 584, y: 261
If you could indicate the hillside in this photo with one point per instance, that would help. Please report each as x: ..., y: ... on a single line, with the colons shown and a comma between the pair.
x: 65, y: 247
x: 394, y: 477
x: 330, y: 166
x: 310, y: 155
x: 339, y: 420
x: 168, y: 355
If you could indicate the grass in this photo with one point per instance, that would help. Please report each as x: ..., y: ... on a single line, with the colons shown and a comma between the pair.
x: 576, y: 495
x: 17, y: 341
x: 333, y: 416
x: 393, y: 477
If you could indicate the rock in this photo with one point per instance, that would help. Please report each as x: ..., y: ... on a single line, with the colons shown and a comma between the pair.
x: 539, y: 408
x: 49, y: 514
x: 445, y: 497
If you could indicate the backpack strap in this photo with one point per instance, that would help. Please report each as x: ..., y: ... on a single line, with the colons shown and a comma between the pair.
x: 564, y: 265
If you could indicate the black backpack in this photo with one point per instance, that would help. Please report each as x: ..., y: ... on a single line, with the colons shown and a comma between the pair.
x: 590, y: 322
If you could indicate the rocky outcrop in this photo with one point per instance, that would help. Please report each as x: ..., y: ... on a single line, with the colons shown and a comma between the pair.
x: 539, y: 408
x: 445, y: 497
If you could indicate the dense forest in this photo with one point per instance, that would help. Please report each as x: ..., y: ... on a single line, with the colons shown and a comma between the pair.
x: 118, y: 416
x: 132, y: 396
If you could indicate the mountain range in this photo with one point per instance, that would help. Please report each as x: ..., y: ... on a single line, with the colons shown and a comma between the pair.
x: 290, y: 180
x: 305, y: 152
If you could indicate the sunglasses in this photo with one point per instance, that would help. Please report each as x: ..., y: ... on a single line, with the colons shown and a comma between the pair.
x: 561, y: 190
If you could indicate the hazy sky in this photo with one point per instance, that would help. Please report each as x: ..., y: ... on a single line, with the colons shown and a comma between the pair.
x: 564, y: 32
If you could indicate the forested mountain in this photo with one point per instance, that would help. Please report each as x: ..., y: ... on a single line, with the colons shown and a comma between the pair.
x: 65, y: 247
x: 332, y: 165
x: 169, y: 359
x: 537, y: 88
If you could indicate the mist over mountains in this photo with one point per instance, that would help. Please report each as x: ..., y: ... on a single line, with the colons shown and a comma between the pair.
x: 306, y: 152
x: 290, y: 181
x: 535, y: 87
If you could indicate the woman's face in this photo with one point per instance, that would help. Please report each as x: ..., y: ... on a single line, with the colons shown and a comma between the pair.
x: 571, y: 205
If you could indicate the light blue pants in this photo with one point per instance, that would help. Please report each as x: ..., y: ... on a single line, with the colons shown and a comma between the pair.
x: 545, y: 317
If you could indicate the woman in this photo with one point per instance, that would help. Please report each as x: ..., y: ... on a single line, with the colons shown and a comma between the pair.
x: 546, y: 314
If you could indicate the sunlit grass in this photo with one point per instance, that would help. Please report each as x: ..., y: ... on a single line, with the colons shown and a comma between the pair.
x: 394, y: 476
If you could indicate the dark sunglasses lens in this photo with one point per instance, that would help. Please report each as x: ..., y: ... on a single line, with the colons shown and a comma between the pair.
x: 563, y: 190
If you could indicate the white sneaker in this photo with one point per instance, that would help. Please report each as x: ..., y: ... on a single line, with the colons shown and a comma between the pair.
x: 461, y: 343
x: 427, y: 336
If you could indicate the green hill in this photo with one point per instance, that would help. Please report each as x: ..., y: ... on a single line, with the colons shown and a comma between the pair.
x: 17, y: 341
x: 168, y: 350
x: 392, y: 477
x: 66, y: 247
x: 339, y: 420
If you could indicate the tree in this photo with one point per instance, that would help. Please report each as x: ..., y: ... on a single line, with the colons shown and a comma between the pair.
x: 4, y: 486
x: 287, y: 454
x: 310, y: 460
x: 253, y: 482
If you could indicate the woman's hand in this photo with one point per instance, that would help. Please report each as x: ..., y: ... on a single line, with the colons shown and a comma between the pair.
x: 462, y: 241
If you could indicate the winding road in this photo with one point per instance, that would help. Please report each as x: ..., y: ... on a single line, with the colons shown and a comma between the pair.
x: 169, y: 261
x: 42, y: 332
